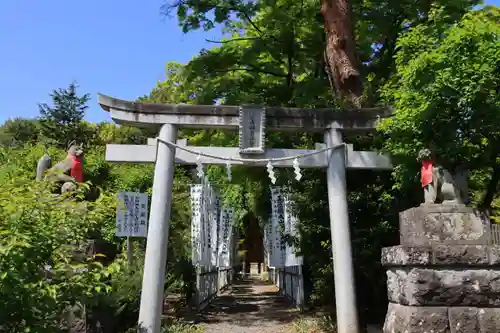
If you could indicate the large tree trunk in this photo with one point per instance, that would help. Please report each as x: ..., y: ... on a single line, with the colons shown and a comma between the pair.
x: 340, y: 52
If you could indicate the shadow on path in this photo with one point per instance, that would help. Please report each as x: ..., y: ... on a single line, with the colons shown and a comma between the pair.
x: 249, y: 306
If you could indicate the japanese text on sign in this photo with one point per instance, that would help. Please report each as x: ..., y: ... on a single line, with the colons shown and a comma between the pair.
x: 132, y: 214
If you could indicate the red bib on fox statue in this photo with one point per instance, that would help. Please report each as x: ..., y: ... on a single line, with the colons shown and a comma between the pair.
x: 426, y: 173
x: 76, y: 168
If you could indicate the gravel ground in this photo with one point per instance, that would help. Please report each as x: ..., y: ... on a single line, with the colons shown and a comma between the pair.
x: 249, y: 306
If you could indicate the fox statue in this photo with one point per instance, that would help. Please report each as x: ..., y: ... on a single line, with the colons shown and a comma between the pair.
x: 439, y: 184
x: 66, y: 173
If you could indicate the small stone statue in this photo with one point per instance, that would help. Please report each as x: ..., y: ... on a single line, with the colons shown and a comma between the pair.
x: 68, y: 172
x: 439, y: 185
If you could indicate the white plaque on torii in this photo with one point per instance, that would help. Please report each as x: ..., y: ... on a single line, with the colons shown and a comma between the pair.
x: 252, y: 122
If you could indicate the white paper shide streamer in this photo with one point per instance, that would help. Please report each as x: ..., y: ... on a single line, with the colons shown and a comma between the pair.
x: 270, y: 172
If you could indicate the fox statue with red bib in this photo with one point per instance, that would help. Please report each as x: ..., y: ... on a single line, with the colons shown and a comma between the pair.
x: 439, y: 185
x: 66, y: 173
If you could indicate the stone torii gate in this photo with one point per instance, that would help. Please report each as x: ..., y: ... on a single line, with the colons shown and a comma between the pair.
x: 252, y: 123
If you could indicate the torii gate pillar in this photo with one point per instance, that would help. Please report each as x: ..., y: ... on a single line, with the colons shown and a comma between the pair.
x: 345, y: 295
x: 156, y: 250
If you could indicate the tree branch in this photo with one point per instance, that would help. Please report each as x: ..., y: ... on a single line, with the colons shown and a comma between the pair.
x: 251, y: 22
x: 255, y: 70
x: 247, y: 17
x: 231, y: 40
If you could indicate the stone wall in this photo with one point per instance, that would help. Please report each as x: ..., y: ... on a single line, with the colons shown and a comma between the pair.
x: 445, y: 277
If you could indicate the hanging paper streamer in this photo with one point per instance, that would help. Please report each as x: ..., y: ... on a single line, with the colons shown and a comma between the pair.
x: 296, y: 169
x: 270, y: 172
x: 205, y: 221
x: 199, y: 168
x: 226, y: 239
x: 214, y: 229
x: 268, y: 240
x: 212, y: 220
x: 284, y: 223
x: 204, y: 224
x: 196, y: 222
x: 265, y: 238
x: 291, y: 228
x: 277, y: 226
x: 218, y: 230
x: 230, y: 241
x: 208, y: 222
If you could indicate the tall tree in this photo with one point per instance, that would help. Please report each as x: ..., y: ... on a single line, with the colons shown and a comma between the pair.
x: 61, y: 123
x: 356, y: 40
x: 340, y: 51
x: 446, y: 96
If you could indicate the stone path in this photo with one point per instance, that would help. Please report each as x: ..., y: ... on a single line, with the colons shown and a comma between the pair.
x: 249, y: 306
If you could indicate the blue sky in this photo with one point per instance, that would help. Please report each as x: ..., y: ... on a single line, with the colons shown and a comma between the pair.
x: 115, y: 47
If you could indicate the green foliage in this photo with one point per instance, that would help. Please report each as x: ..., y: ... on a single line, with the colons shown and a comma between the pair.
x: 18, y: 131
x: 110, y: 133
x: 41, y: 233
x: 273, y: 50
x: 175, y: 327
x: 61, y: 123
x: 445, y: 87
x: 438, y: 68
x: 55, y: 231
x: 314, y: 325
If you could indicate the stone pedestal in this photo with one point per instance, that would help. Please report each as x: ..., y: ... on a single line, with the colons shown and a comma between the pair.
x: 445, y: 277
x: 433, y: 224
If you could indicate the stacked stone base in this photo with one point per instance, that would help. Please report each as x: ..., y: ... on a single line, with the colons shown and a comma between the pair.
x: 403, y: 319
x: 445, y: 277
x: 443, y: 289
